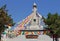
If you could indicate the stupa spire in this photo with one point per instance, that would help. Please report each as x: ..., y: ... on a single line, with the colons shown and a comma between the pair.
x: 34, y: 7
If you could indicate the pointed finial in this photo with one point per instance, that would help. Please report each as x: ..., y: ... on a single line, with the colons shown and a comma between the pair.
x: 34, y: 5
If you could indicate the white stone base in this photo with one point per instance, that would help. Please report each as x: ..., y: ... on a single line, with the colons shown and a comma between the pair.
x: 22, y: 38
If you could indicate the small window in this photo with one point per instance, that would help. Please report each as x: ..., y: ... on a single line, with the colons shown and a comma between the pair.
x: 34, y: 20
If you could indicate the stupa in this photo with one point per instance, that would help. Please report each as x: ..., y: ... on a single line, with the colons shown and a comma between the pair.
x: 31, y: 25
x: 32, y: 22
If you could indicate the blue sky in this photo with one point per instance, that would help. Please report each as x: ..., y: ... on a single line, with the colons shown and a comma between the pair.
x: 19, y: 9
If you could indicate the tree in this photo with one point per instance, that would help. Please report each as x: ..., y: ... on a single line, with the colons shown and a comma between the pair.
x: 5, y: 19
x: 53, y: 22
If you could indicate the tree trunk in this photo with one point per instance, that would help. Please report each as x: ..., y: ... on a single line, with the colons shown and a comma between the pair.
x: 0, y: 37
x: 56, y: 37
x: 0, y: 34
x: 53, y: 37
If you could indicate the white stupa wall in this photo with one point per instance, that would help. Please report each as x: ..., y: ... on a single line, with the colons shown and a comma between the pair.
x: 22, y: 38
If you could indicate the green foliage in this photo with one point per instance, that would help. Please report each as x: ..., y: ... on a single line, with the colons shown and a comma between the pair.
x: 53, y: 22
x: 5, y: 19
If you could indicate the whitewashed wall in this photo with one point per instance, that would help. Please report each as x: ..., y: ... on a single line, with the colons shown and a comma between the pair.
x: 22, y: 38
